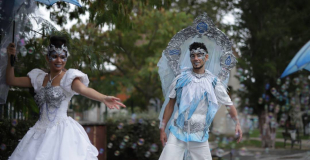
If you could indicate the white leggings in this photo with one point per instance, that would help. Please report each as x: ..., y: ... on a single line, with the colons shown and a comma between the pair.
x: 175, y: 148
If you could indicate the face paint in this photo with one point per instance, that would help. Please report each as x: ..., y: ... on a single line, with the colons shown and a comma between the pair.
x: 199, y: 56
x: 199, y: 52
x: 54, y: 53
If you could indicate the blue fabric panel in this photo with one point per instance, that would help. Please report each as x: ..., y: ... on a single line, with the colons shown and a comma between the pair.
x: 194, y: 105
x: 180, y: 120
x: 214, y: 82
x: 188, y: 137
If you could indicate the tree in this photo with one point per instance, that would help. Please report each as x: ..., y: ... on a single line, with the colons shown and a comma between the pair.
x: 139, y: 32
x: 269, y: 34
x: 134, y: 52
x: 150, y: 27
x: 120, y: 12
x: 102, y: 12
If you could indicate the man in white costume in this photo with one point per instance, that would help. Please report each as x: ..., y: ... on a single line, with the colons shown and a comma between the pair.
x: 197, y: 94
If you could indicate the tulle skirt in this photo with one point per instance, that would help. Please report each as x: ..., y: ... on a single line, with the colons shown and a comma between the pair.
x: 64, y: 141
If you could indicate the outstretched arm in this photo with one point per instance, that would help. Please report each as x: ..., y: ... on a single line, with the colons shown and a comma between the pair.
x: 110, y: 101
x: 10, y: 76
x: 233, y: 114
x: 166, y: 117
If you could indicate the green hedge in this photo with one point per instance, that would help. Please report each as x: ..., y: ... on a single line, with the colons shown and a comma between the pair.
x: 10, y: 133
x: 123, y: 134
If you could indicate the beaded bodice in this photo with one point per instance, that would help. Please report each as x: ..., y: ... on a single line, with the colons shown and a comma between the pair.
x: 53, y: 105
x: 50, y: 95
x: 53, y: 101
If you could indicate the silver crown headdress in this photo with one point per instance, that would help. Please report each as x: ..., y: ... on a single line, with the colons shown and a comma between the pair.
x: 199, y: 50
x: 62, y: 50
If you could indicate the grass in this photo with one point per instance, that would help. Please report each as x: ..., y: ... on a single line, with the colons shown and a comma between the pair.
x: 255, y: 133
x: 301, y: 135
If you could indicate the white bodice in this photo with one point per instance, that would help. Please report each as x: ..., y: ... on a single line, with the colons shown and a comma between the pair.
x: 53, y: 101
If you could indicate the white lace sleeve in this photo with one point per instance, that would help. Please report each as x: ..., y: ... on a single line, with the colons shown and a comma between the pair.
x: 221, y: 94
x: 36, y: 76
x: 70, y: 75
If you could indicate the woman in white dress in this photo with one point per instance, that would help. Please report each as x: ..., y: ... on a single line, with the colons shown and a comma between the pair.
x: 55, y: 136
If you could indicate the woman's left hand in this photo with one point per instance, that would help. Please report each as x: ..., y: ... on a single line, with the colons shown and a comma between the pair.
x: 112, y: 102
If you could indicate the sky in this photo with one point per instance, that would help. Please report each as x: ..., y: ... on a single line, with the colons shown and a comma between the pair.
x: 43, y: 12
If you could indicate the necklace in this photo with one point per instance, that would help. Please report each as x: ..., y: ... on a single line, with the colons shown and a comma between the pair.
x: 49, y: 82
x: 197, y: 75
x: 49, y: 86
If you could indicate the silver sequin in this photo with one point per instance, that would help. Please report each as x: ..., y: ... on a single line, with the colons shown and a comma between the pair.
x: 193, y: 127
x: 53, y: 96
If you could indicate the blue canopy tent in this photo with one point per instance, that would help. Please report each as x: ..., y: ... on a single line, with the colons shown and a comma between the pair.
x: 51, y: 2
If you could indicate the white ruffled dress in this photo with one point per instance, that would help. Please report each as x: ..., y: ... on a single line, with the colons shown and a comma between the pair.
x: 55, y: 136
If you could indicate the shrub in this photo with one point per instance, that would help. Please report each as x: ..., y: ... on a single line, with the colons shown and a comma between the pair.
x: 10, y: 134
x: 133, y: 138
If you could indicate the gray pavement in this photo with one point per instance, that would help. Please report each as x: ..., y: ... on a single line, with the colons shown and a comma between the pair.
x: 251, y: 153
x: 268, y: 154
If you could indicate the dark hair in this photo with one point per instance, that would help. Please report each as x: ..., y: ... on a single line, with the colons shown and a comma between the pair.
x: 58, y: 41
x: 196, y: 45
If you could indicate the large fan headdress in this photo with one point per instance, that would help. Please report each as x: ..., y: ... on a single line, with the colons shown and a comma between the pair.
x: 176, y: 57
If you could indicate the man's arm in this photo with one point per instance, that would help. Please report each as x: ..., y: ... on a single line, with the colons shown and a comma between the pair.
x: 167, y: 115
x: 233, y: 114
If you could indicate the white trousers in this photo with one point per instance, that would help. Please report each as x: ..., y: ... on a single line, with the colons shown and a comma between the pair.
x: 175, y: 149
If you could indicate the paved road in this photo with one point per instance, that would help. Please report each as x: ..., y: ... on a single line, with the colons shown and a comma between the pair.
x: 268, y: 154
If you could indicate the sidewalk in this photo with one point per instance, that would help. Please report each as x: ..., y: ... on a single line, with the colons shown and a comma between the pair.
x: 268, y: 154
x: 257, y: 153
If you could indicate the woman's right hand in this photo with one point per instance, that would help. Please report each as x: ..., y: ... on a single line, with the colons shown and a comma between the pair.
x: 11, y: 50
x: 11, y: 80
x: 163, y: 137
x: 113, y: 102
